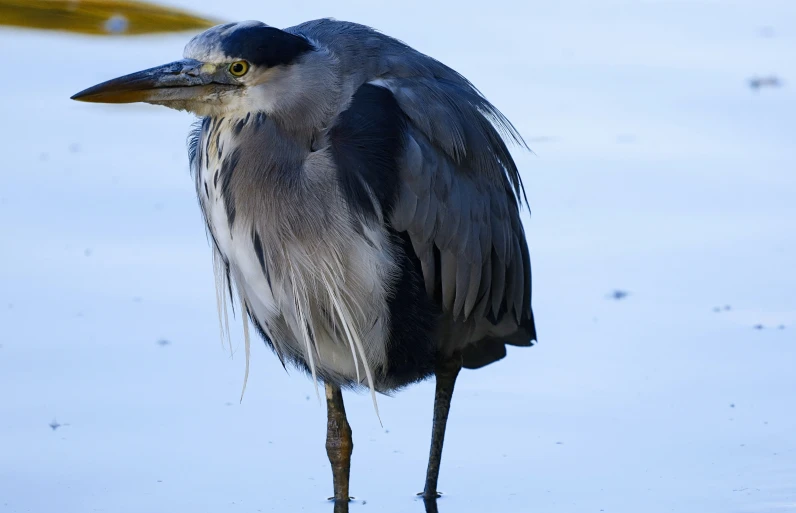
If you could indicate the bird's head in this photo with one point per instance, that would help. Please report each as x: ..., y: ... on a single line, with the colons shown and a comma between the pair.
x: 246, y: 66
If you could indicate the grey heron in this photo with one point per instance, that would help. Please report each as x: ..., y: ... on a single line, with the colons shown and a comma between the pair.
x: 361, y: 200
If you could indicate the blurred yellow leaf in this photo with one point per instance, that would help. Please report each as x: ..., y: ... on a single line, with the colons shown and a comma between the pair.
x: 100, y: 17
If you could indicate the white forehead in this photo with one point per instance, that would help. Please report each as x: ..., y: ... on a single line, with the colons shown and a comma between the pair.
x: 209, y: 45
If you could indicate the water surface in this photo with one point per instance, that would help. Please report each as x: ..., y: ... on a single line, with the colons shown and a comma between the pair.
x: 657, y: 171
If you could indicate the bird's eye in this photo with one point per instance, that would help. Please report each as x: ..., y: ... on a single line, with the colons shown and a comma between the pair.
x: 239, y: 68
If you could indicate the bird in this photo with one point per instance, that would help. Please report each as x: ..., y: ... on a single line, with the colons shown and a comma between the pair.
x: 362, y: 206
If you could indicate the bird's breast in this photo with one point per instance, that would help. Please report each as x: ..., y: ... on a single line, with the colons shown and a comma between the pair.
x: 315, y: 283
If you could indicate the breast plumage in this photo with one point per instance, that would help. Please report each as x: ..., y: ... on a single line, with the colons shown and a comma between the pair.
x: 316, y: 292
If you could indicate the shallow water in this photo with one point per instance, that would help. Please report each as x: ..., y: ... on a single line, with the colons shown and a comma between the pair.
x: 657, y: 171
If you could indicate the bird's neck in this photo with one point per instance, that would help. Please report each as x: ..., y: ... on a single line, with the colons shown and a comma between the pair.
x: 303, y: 97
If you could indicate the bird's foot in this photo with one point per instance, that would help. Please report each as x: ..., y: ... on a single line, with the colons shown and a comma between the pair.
x: 430, y: 495
x: 335, y: 499
x: 430, y: 501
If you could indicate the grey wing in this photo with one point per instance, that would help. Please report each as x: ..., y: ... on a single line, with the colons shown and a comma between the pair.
x: 459, y: 190
x: 459, y: 201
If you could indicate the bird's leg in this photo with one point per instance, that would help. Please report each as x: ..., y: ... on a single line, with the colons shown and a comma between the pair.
x: 430, y: 505
x: 446, y: 373
x: 338, y: 442
x: 340, y: 506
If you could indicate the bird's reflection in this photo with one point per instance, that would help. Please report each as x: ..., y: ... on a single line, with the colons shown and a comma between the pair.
x: 430, y: 506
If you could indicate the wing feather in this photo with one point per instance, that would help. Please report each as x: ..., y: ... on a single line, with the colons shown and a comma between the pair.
x: 459, y: 193
x: 460, y: 198
x: 448, y: 265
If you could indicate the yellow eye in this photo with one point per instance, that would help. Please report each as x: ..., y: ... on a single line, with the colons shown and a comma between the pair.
x: 239, y: 68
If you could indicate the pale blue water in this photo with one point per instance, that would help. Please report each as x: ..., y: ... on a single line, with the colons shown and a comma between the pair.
x: 657, y: 170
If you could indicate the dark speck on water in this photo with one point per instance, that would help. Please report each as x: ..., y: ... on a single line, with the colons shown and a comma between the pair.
x: 55, y: 425
x: 87, y: 252
x: 781, y: 327
x: 163, y: 342
x: 759, y: 326
x: 732, y: 405
x: 618, y: 294
x: 757, y: 83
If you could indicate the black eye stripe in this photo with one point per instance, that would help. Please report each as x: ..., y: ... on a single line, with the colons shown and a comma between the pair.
x: 264, y: 46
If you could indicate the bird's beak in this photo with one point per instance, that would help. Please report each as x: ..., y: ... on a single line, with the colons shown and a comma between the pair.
x: 177, y: 81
